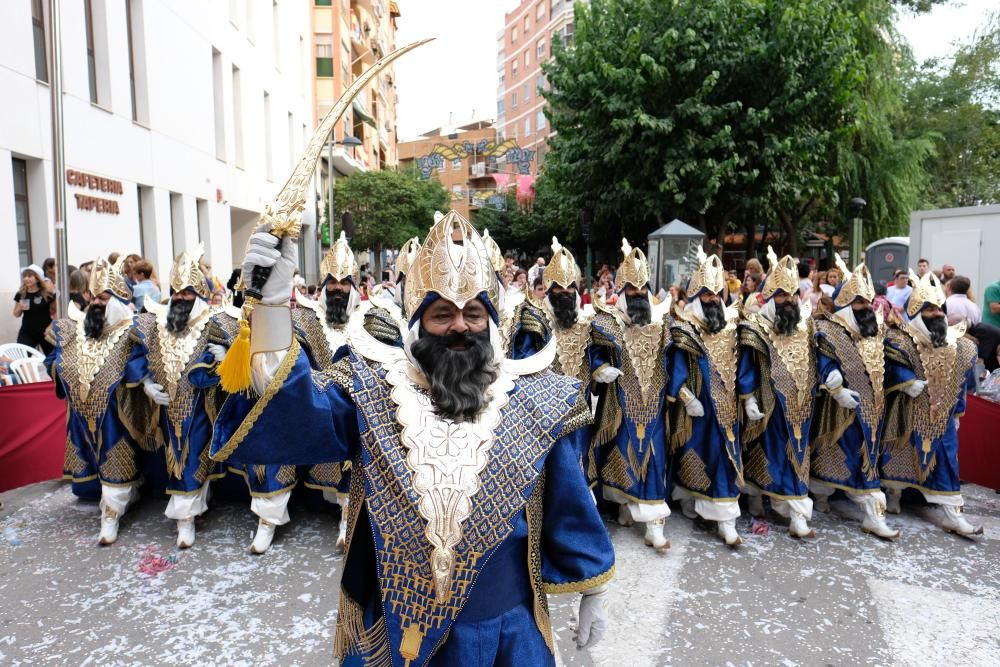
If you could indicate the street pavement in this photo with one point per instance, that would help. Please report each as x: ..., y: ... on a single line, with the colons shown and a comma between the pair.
x: 844, y: 598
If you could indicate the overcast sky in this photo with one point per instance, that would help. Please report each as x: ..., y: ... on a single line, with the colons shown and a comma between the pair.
x: 455, y: 77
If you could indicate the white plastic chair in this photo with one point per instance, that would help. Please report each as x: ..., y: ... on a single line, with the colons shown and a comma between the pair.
x: 20, y: 351
x: 28, y: 371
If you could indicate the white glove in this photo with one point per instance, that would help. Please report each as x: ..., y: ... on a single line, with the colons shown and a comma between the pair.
x: 607, y: 375
x: 218, y: 351
x: 834, y: 379
x: 155, y: 391
x: 915, y: 388
x: 593, y: 617
x: 956, y: 424
x: 753, y: 410
x: 262, y: 252
x: 694, y: 408
x: 847, y: 399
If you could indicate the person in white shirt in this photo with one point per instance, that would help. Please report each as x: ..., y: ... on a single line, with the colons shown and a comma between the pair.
x: 958, y: 306
x: 535, y: 272
x: 899, y: 291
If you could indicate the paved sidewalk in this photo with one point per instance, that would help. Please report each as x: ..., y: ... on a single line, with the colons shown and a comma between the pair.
x: 843, y: 599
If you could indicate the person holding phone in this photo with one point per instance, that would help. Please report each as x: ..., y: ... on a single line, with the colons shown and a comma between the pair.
x: 33, y: 303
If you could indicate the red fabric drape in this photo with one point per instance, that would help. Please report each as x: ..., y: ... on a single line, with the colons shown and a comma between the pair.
x: 502, y: 180
x: 32, y: 434
x: 978, y: 445
x: 525, y: 188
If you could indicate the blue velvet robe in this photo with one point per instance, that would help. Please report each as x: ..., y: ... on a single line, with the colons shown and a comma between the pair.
x: 776, y: 453
x: 706, y: 451
x: 629, y: 452
x: 530, y: 330
x: 918, y: 451
x: 552, y: 540
x: 111, y: 431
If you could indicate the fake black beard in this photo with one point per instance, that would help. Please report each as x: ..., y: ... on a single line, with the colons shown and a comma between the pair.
x: 938, y: 328
x: 93, y: 324
x: 564, y: 308
x: 458, y: 378
x: 715, y: 316
x: 336, y: 307
x: 178, y: 315
x: 638, y: 309
x: 867, y: 324
x: 786, y: 317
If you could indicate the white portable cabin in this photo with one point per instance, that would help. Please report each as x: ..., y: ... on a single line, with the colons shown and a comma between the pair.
x: 968, y: 238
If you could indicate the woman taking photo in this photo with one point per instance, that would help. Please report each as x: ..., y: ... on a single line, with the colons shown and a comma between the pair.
x: 33, y: 303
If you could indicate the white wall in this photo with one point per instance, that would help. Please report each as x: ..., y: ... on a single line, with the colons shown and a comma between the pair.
x: 173, y: 148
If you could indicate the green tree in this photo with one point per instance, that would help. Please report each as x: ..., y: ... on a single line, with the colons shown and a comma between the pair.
x: 388, y: 206
x: 529, y: 227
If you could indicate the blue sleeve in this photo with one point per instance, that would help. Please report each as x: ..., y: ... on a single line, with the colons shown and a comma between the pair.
x: 303, y: 418
x: 576, y: 550
x: 599, y: 356
x: 897, y: 377
x: 50, y: 367
x: 747, y: 374
x: 825, y: 364
x: 203, y: 374
x: 678, y: 368
x: 524, y: 344
x: 137, y: 366
x: 970, y: 385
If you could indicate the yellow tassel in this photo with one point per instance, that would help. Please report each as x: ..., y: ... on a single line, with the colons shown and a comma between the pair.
x: 234, y: 371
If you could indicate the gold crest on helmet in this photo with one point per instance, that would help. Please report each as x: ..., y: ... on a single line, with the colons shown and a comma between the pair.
x: 709, y: 275
x: 563, y: 269
x: 926, y: 290
x: 407, y: 253
x: 496, y: 254
x: 633, y: 270
x: 108, y: 277
x: 454, y: 263
x: 782, y: 274
x: 340, y: 262
x: 186, y: 273
x: 854, y: 284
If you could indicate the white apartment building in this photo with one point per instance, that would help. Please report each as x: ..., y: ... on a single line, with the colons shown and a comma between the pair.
x: 182, y: 120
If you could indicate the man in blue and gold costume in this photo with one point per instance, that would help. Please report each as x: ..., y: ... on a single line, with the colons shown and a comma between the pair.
x: 525, y: 327
x: 472, y: 506
x: 847, y: 420
x: 705, y: 441
x: 184, y: 347
x: 570, y: 324
x: 777, y: 382
x: 929, y: 367
x: 98, y: 364
x: 629, y: 454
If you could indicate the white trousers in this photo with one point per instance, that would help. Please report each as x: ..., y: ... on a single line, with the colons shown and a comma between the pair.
x: 710, y: 510
x: 118, y: 498
x: 783, y: 506
x: 187, y: 506
x: 273, y: 509
x: 951, y: 499
x: 640, y: 511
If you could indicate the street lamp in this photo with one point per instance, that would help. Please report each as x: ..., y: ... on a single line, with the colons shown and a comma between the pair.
x: 857, y: 206
x: 353, y: 142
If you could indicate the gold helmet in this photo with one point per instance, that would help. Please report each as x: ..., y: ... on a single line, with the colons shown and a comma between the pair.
x: 407, y: 253
x: 454, y: 263
x: 927, y: 291
x: 496, y: 254
x: 633, y: 270
x: 709, y: 275
x: 782, y: 274
x: 108, y: 277
x: 186, y: 273
x: 340, y: 263
x: 853, y: 285
x: 563, y: 269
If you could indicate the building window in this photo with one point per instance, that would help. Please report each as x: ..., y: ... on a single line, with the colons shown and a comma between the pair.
x: 21, y: 218
x: 142, y: 230
x: 324, y: 55
x: 540, y: 82
x: 499, y: 107
x: 540, y: 121
x: 541, y: 49
x: 324, y: 3
x: 136, y: 60
x: 201, y: 214
x: 527, y: 92
x: 38, y: 32
x: 527, y: 58
x: 527, y: 24
x: 219, y: 105
x: 513, y: 33
x: 513, y: 100
x: 268, y: 148
x: 513, y: 69
x: 527, y: 126
x: 456, y: 164
x: 238, y: 115
x: 540, y: 14
x: 88, y: 19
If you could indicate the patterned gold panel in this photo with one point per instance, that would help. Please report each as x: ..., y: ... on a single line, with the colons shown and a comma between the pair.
x: 756, y: 469
x: 327, y: 474
x: 534, y: 513
x: 616, y: 470
x: 862, y: 362
x: 691, y: 472
x: 571, y: 349
x: 829, y: 461
x: 119, y: 465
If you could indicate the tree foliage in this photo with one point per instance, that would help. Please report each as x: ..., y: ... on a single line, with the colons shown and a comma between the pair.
x: 388, y: 206
x: 730, y: 114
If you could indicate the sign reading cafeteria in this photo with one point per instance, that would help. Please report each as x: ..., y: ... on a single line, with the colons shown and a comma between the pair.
x: 99, y: 183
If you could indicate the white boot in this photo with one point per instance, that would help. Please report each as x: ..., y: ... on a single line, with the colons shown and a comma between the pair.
x: 109, y: 527
x: 755, y: 504
x: 262, y: 540
x: 342, y: 538
x: 185, y: 533
x: 798, y: 527
x: 954, y: 522
x: 892, y: 498
x: 654, y: 535
x: 687, y: 508
x: 874, y: 521
x: 727, y: 531
x: 624, y: 516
